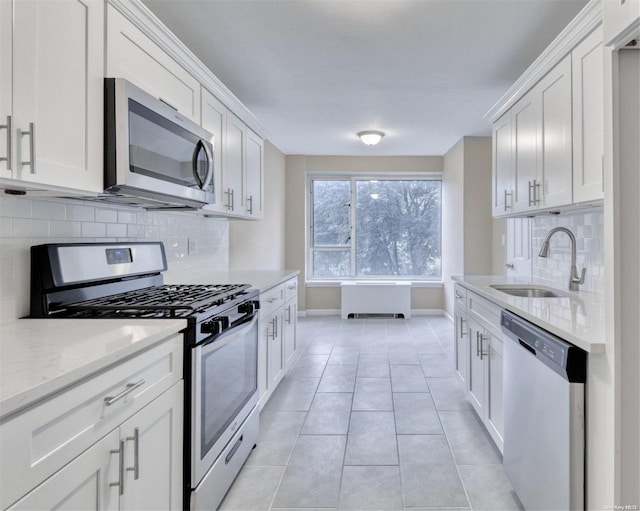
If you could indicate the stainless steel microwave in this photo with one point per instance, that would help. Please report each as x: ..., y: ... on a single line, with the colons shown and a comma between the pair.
x: 154, y: 156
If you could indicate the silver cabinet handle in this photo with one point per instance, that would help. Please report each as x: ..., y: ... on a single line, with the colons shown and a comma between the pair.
x: 458, y: 295
x: 292, y: 286
x: 289, y: 315
x: 482, y: 352
x: 507, y: 194
x: 530, y: 200
x: 9, y: 131
x: 120, y: 453
x: 271, y: 300
x: 229, y: 194
x: 109, y: 400
x: 32, y: 146
x: 462, y: 332
x: 536, y: 187
x: 250, y: 204
x: 136, y: 453
x: 233, y: 200
x: 477, y: 344
x: 275, y: 328
x: 509, y: 266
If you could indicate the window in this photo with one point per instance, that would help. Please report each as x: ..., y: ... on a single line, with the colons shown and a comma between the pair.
x: 374, y: 228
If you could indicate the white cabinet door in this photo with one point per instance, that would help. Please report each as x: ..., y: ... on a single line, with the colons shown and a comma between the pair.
x: 214, y: 120
x: 461, y: 352
x: 554, y: 177
x: 274, y: 351
x: 588, y: 118
x: 525, y: 147
x: 132, y: 55
x: 57, y: 92
x: 289, y: 331
x: 6, y: 113
x: 476, y: 377
x: 235, y: 152
x: 494, y: 417
x: 153, y: 454
x: 502, y: 190
x: 89, y: 482
x: 254, y: 176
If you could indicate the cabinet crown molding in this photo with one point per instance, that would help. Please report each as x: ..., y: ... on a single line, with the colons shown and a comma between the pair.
x: 587, y: 20
x: 136, y: 12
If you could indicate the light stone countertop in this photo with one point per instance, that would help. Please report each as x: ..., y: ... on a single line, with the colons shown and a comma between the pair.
x: 39, y: 357
x: 578, y: 318
x: 260, y: 280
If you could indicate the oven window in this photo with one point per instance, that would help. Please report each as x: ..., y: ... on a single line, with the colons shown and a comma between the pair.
x: 229, y: 379
x: 162, y: 149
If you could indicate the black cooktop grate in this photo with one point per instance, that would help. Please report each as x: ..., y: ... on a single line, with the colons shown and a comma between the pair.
x: 159, y: 301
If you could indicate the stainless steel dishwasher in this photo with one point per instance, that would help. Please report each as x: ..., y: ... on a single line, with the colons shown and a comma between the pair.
x: 544, y: 430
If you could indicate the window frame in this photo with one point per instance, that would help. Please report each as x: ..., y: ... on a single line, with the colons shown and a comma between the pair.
x: 353, y: 177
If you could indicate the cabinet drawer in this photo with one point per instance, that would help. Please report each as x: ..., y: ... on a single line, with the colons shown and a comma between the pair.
x: 271, y: 299
x: 484, y: 311
x: 290, y: 288
x: 460, y: 297
x: 45, y: 438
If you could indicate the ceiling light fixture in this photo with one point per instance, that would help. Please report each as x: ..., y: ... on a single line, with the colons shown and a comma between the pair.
x: 371, y: 137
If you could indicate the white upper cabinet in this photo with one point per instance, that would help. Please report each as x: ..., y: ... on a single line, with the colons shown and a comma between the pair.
x: 619, y: 16
x: 502, y: 189
x: 214, y: 120
x: 525, y: 150
x: 552, y: 186
x: 253, y: 179
x: 53, y: 97
x: 134, y: 56
x: 548, y: 142
x: 235, y: 164
x: 588, y: 119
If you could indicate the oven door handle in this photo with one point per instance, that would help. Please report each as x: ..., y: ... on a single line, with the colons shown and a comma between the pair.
x: 225, y: 337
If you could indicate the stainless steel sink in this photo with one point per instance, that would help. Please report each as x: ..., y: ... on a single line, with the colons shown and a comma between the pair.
x: 527, y: 291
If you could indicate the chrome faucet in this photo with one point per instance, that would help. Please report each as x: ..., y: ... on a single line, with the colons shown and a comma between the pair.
x: 574, y: 280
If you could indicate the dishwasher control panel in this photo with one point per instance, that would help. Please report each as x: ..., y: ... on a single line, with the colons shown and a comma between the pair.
x: 564, y: 358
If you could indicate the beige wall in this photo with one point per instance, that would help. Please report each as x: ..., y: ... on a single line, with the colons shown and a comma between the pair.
x: 260, y: 244
x: 467, y: 226
x: 328, y: 298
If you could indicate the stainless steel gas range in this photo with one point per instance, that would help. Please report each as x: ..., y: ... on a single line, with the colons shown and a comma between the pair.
x: 124, y: 280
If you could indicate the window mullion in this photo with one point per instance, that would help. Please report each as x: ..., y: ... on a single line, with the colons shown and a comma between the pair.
x: 352, y: 226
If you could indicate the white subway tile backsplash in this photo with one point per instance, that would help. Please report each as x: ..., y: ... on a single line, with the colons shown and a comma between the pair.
x: 106, y: 215
x: 65, y: 228
x: 94, y: 230
x: 589, y: 231
x: 49, y: 210
x: 25, y: 222
x: 15, y: 207
x: 81, y: 212
x: 30, y: 227
x: 116, y: 230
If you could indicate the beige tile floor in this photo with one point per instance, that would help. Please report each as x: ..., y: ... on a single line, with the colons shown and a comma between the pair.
x: 372, y: 417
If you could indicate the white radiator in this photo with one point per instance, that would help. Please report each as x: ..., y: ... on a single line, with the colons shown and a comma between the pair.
x: 376, y: 298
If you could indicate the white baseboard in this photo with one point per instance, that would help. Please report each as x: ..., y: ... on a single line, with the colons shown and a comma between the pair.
x: 336, y: 312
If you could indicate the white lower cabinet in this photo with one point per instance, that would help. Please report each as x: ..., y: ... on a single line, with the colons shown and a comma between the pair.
x: 461, y: 343
x: 113, y: 441
x: 278, y: 346
x: 289, y: 331
x: 478, y: 358
x: 85, y: 483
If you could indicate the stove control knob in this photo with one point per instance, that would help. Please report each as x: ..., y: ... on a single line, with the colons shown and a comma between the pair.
x: 214, y: 326
x: 247, y: 307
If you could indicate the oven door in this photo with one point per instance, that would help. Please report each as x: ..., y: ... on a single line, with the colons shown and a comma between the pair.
x: 223, y: 392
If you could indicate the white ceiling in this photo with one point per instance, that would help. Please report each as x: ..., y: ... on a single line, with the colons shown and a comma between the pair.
x: 315, y: 72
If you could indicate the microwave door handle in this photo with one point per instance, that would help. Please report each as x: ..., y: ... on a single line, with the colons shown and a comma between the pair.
x: 194, y: 164
x: 210, y: 169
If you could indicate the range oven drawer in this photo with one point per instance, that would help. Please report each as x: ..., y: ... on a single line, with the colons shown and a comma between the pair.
x: 38, y: 442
